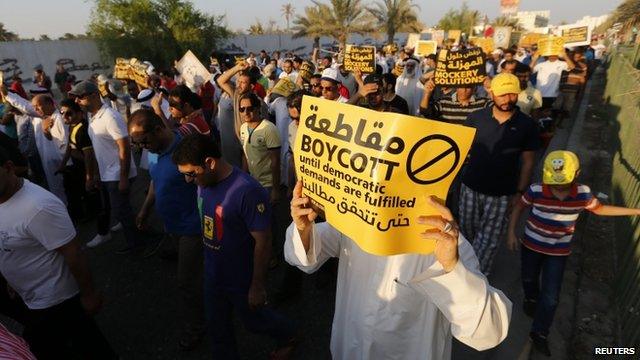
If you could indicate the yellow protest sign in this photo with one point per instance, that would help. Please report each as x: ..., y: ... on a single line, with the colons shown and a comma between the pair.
x: 550, y: 45
x: 371, y: 171
x: 412, y: 40
x: 454, y: 35
x: 529, y: 39
x: 426, y: 47
x: 360, y: 57
x: 485, y: 43
x: 576, y: 35
x: 284, y: 87
x: 131, y: 69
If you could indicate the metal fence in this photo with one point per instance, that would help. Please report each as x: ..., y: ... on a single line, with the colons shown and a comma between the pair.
x: 622, y: 95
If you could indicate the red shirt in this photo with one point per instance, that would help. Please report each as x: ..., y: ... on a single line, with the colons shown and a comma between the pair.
x: 259, y: 90
x: 206, y: 92
x: 17, y: 88
x: 194, y: 123
x: 168, y: 84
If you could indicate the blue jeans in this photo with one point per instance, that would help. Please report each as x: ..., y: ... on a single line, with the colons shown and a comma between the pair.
x: 219, y: 305
x: 544, y: 289
x: 122, y: 211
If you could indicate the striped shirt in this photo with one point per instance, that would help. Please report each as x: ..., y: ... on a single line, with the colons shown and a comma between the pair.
x: 452, y: 111
x: 13, y: 347
x: 552, y: 221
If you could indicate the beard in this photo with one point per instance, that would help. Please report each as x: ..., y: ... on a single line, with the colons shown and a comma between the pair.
x: 510, y: 106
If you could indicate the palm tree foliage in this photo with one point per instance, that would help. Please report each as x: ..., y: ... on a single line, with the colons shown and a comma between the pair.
x: 462, y: 19
x: 396, y: 16
x: 287, y: 11
x: 337, y: 19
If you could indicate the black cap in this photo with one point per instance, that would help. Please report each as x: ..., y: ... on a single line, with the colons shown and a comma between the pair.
x: 373, y: 79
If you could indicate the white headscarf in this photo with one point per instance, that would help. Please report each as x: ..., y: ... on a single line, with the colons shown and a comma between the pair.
x: 409, y: 87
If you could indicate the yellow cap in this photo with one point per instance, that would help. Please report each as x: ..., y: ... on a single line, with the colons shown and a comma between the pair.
x: 560, y: 168
x: 505, y: 84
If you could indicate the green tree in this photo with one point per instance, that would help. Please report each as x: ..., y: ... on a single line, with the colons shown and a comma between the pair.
x: 288, y: 11
x: 309, y: 25
x: 396, y: 16
x: 44, y: 37
x: 507, y: 21
x: 627, y: 13
x: 256, y: 28
x: 159, y: 31
x: 462, y: 19
x: 6, y: 35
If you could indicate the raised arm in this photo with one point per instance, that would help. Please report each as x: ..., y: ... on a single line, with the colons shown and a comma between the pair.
x: 224, y: 81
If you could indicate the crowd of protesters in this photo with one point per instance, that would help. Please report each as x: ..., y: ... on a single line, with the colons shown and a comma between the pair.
x: 220, y: 158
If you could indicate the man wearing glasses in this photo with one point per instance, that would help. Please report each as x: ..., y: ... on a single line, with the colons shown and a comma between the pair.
x: 261, y: 144
x: 330, y: 86
x: 236, y: 231
x: 175, y: 203
x: 81, y: 177
x: 108, y: 133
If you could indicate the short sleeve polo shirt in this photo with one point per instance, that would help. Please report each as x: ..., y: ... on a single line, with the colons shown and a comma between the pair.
x: 493, y: 167
x: 256, y: 144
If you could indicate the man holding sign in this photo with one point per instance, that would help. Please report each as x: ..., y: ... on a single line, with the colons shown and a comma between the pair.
x: 402, y: 306
x: 402, y: 289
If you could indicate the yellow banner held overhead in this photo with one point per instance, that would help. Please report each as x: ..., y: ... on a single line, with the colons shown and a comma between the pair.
x: 454, y: 35
x: 426, y: 47
x: 361, y: 58
x: 485, y: 43
x: 370, y: 172
x: 551, y: 45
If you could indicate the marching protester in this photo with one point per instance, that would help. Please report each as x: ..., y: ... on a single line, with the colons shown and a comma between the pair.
x: 81, y: 177
x: 175, y: 202
x: 405, y: 306
x: 555, y: 206
x: 42, y: 261
x: 50, y: 135
x: 235, y: 212
x: 108, y: 133
x: 408, y: 85
x: 495, y: 175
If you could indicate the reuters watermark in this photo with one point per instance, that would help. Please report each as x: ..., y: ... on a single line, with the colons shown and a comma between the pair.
x: 614, y: 351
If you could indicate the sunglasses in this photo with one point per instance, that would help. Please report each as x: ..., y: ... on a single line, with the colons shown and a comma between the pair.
x: 142, y: 143
x: 327, y: 88
x: 67, y: 113
x: 190, y: 174
x: 242, y: 109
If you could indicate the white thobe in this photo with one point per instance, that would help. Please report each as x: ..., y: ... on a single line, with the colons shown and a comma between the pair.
x: 279, y: 110
x: 410, y: 89
x: 51, y: 151
x: 403, y: 307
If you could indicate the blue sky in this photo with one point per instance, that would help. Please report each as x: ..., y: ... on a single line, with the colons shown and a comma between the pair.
x: 30, y: 18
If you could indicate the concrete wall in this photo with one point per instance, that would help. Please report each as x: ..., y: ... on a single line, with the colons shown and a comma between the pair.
x: 81, y: 58
x: 302, y: 46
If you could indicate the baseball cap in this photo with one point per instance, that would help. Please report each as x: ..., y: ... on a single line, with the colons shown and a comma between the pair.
x: 83, y: 88
x: 560, y: 168
x: 330, y: 74
x: 373, y: 79
x: 505, y: 83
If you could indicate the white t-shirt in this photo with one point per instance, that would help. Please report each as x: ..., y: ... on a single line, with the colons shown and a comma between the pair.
x: 33, y: 223
x: 105, y: 127
x: 548, y: 78
x: 598, y: 51
x: 293, y: 76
